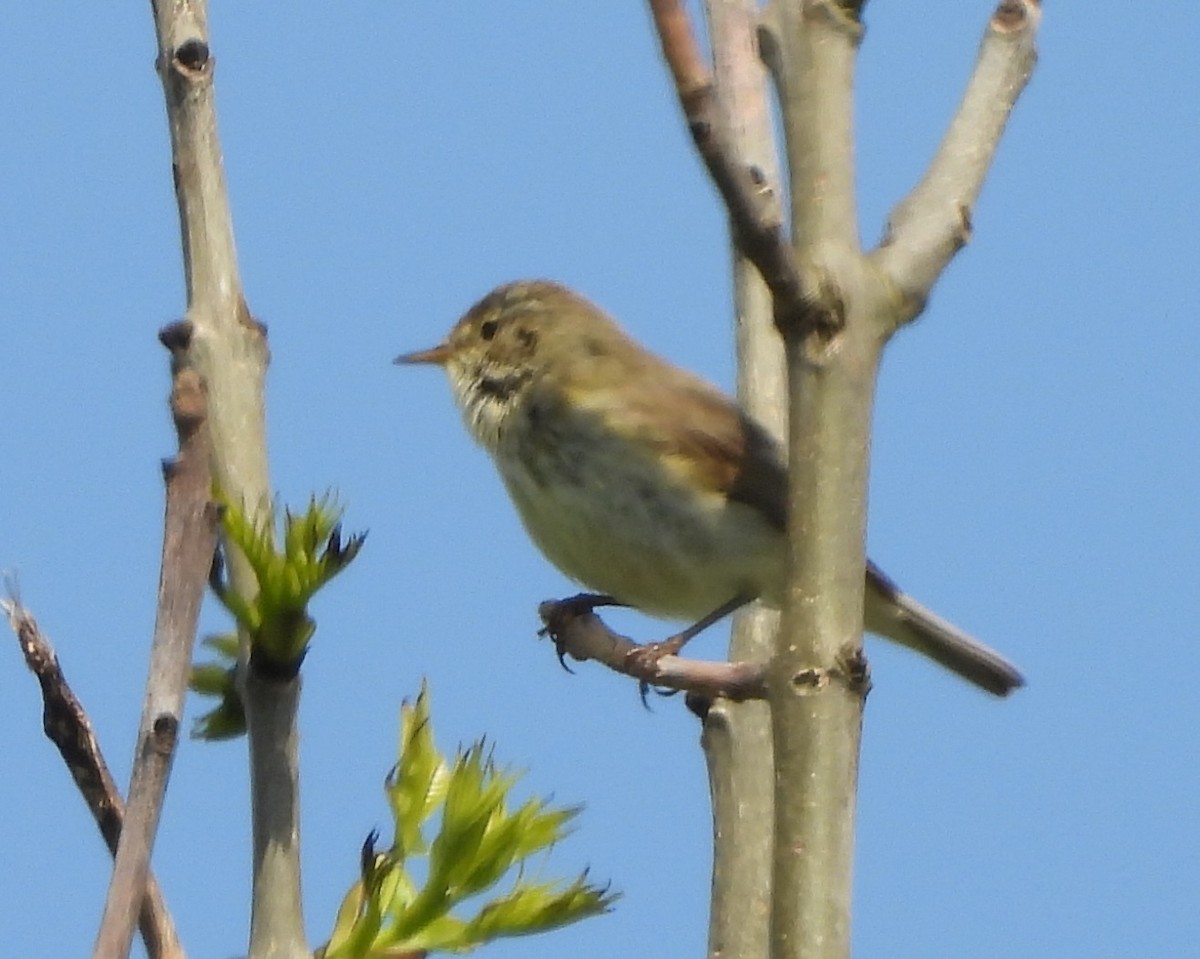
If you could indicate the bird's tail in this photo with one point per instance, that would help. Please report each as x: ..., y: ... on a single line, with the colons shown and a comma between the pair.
x: 900, y: 618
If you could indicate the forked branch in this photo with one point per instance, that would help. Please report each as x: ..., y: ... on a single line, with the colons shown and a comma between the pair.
x: 933, y: 222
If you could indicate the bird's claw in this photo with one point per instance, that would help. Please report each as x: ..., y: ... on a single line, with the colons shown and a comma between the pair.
x: 644, y: 660
x: 556, y: 614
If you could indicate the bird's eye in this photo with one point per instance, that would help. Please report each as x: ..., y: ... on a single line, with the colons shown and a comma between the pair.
x: 487, y: 329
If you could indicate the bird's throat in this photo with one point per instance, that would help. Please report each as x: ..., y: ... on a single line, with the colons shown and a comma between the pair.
x: 487, y: 400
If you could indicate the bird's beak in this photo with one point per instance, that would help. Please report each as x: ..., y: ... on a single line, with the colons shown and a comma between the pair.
x: 438, y: 356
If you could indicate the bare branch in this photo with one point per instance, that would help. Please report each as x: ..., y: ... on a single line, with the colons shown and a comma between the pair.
x: 933, y: 222
x: 750, y: 198
x: 811, y: 47
x: 67, y: 725
x: 271, y: 710
x: 737, y: 736
x: 229, y: 349
x: 225, y: 345
x: 579, y: 633
x: 814, y: 689
x: 189, y: 539
x: 834, y: 307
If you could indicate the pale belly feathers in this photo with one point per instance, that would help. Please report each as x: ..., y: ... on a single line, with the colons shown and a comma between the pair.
x: 634, y: 535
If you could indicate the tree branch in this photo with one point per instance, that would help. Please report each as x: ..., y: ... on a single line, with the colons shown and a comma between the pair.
x: 229, y: 349
x: 835, y: 308
x: 226, y: 345
x: 750, y: 197
x: 578, y: 632
x: 67, y: 725
x: 737, y: 736
x: 811, y: 47
x: 816, y: 683
x: 189, y: 539
x: 933, y: 222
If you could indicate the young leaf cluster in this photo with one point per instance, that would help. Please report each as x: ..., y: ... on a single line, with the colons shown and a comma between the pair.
x: 218, y: 678
x: 276, y: 618
x: 479, y: 841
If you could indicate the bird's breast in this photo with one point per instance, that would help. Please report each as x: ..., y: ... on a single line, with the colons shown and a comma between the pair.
x: 618, y: 518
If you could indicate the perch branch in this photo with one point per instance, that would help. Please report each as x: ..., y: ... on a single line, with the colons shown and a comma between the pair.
x: 581, y: 634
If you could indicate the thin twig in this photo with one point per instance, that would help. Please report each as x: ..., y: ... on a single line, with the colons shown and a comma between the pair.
x: 67, y: 725
x: 189, y: 539
x: 582, y: 635
x: 752, y: 201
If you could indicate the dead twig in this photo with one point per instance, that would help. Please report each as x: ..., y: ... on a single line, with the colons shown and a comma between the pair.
x: 67, y: 725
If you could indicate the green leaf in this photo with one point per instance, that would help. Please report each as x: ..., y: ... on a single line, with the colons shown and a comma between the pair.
x: 417, y: 785
x: 478, y: 843
x: 276, y: 618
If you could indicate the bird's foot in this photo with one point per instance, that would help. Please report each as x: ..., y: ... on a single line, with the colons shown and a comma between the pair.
x: 642, y: 661
x: 558, y: 613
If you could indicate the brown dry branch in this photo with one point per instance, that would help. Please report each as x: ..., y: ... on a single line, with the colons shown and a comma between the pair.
x: 752, y: 201
x: 189, y: 539
x: 67, y: 725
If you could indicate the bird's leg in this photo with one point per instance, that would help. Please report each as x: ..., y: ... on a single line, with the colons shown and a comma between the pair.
x: 652, y: 652
x: 645, y: 658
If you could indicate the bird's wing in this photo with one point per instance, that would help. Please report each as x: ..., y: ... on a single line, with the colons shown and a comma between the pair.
x: 703, y: 435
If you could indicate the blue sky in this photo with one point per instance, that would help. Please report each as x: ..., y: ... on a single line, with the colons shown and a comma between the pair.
x: 1033, y: 470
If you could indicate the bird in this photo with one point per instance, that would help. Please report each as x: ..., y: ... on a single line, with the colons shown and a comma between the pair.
x: 642, y: 481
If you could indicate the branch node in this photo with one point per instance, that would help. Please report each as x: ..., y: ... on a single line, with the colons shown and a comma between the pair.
x: 271, y: 670
x: 1013, y: 14
x: 964, y: 225
x: 189, y: 401
x: 177, y: 336
x: 817, y: 316
x: 810, y: 680
x: 164, y: 734
x: 193, y: 56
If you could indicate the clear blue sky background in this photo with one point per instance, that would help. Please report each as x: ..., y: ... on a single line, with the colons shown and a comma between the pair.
x: 1034, y: 471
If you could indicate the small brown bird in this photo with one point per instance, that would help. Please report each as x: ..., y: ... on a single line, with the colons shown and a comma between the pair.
x: 642, y: 481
